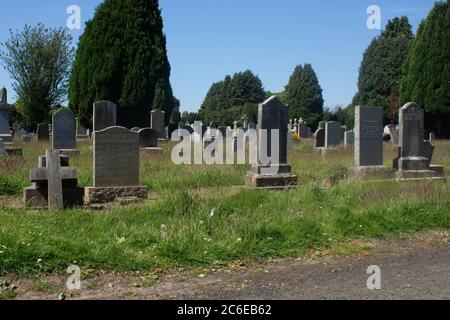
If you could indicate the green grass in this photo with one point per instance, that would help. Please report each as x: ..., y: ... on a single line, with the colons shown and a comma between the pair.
x: 196, y: 218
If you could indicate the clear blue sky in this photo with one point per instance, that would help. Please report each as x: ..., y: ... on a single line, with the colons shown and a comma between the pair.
x: 208, y: 39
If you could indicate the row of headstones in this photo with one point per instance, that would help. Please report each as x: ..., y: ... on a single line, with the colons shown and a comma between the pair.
x: 414, y: 153
x: 300, y: 128
x: 331, y: 134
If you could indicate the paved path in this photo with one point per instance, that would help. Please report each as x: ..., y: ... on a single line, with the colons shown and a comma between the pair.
x: 410, y: 269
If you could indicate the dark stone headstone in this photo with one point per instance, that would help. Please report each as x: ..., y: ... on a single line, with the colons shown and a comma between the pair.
x: 157, y: 122
x: 43, y: 132
x: 333, y: 134
x: 319, y: 138
x: 411, y: 140
x: 368, y: 136
x: 148, y: 138
x: 64, y: 130
x: 105, y: 115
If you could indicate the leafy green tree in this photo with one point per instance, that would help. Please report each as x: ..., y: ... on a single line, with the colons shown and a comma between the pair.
x: 427, y: 71
x: 122, y: 57
x: 38, y: 60
x: 233, y: 98
x: 381, y: 68
x: 303, y: 95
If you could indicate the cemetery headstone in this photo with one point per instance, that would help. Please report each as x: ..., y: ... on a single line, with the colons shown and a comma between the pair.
x: 349, y: 139
x: 105, y: 115
x: 369, y: 144
x: 333, y: 134
x: 319, y: 138
x: 43, y: 132
x: 157, y: 122
x: 415, y: 154
x: 272, y: 118
x: 54, y: 184
x: 116, y: 166
x: 64, y: 130
x: 148, y: 138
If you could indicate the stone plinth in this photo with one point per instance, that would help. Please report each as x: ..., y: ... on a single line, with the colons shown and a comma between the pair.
x: 96, y: 195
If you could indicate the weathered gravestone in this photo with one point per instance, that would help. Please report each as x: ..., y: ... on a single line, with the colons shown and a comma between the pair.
x: 415, y: 154
x: 319, y: 138
x: 148, y: 138
x: 272, y: 169
x: 303, y: 131
x: 369, y: 144
x: 105, y: 115
x: 116, y: 166
x: 333, y: 134
x: 5, y: 132
x: 43, y: 132
x: 157, y: 122
x: 349, y: 139
x: 64, y: 131
x: 54, y: 184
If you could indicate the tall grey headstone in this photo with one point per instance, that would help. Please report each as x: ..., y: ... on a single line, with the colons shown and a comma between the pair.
x: 64, y: 130
x: 333, y: 133
x: 411, y: 139
x: 105, y: 115
x: 272, y: 118
x: 43, y: 132
x: 116, y: 157
x: 157, y: 122
x: 368, y: 136
x: 272, y: 115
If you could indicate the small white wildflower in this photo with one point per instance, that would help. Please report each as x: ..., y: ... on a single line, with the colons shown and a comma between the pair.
x: 213, y: 212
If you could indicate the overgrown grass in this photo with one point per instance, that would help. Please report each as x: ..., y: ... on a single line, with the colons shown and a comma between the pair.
x: 198, y: 218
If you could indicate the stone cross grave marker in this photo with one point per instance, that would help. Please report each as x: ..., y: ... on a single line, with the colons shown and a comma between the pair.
x: 55, y: 190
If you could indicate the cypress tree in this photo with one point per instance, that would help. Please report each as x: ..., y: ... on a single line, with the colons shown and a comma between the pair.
x: 427, y: 72
x: 381, y: 68
x: 232, y: 98
x: 122, y: 57
x: 304, y: 95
